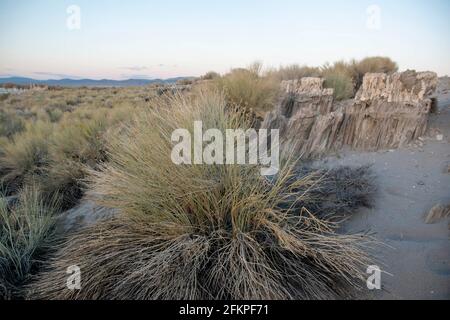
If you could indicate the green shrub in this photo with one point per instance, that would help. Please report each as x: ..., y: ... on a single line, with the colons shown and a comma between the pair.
x: 341, y: 82
x: 54, y: 114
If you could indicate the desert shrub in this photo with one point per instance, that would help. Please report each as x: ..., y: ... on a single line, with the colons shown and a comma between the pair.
x: 293, y: 72
x: 373, y: 65
x: 3, y: 142
x: 4, y: 96
x: 201, y: 231
x: 74, y: 101
x: 14, y: 100
x: 343, y: 75
x: 248, y: 89
x: 341, y: 190
x: 10, y: 124
x: 74, y: 146
x: 211, y: 75
x: 377, y: 64
x: 26, y: 229
x: 185, y: 81
x: 78, y: 144
x: 60, y: 106
x: 25, y: 156
x: 341, y: 82
x: 54, y: 114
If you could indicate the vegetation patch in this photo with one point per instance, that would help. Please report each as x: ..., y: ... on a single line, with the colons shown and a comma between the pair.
x: 203, y: 231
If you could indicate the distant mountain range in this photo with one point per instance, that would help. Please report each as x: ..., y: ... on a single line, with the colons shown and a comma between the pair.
x: 89, y: 82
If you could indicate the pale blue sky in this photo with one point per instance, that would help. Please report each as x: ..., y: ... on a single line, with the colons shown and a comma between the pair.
x: 123, y: 39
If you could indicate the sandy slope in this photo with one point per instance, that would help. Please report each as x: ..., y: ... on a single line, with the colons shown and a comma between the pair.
x: 410, y: 181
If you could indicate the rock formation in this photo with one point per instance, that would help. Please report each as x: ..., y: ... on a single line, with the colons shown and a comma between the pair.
x: 388, y: 111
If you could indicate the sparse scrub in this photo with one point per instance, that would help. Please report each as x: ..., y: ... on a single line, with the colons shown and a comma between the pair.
x: 211, y: 75
x: 341, y: 190
x: 58, y: 141
x: 4, y: 96
x: 25, y: 156
x: 10, y: 124
x: 373, y: 65
x: 347, y: 77
x: 26, y: 229
x: 201, y: 231
x: 73, y: 102
x: 293, y: 72
x: 78, y: 144
x: 75, y: 146
x: 186, y: 81
x: 54, y: 114
x: 341, y: 82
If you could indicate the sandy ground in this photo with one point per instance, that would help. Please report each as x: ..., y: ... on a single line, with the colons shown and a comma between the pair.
x: 410, y: 182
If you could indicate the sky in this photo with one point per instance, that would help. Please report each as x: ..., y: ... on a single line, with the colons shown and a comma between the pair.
x: 116, y: 39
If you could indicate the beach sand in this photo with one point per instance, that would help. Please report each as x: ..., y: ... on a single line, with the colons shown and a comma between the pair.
x: 410, y: 182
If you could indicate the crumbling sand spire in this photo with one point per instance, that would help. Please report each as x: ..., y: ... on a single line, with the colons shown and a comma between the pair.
x: 388, y: 111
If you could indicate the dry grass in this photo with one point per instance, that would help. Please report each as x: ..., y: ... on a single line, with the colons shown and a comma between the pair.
x: 61, y: 139
x: 373, y: 65
x: 249, y: 89
x: 293, y: 72
x: 199, y: 231
x: 341, y: 83
x: 340, y: 77
x: 26, y: 226
x: 25, y: 156
x: 340, y: 192
x: 10, y: 124
x: 76, y: 146
x: 210, y: 75
x: 346, y: 77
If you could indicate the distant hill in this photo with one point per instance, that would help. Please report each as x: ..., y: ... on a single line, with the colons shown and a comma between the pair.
x: 89, y: 82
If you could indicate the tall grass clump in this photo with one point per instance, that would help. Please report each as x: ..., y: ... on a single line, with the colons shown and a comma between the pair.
x: 201, y: 231
x: 341, y: 83
x: 25, y: 156
x: 249, y: 89
x: 26, y: 229
x: 77, y: 145
x: 372, y: 65
x: 210, y: 75
x: 10, y: 124
x: 339, y: 77
x: 294, y: 72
